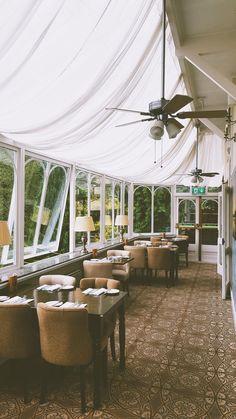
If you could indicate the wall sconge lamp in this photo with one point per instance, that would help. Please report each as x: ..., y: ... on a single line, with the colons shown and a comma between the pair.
x: 121, y: 221
x: 84, y: 224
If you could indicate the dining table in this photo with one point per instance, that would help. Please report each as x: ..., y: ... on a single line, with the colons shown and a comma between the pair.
x: 100, y: 307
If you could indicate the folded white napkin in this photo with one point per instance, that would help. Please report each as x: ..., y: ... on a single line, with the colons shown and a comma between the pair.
x: 54, y: 303
x: 68, y: 304
x: 14, y: 300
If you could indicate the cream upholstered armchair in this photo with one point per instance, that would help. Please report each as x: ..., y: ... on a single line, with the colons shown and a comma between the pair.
x: 19, y: 337
x: 110, y: 323
x: 159, y: 259
x: 65, y: 340
x: 57, y: 279
x: 139, y: 255
x: 97, y: 269
x: 121, y: 272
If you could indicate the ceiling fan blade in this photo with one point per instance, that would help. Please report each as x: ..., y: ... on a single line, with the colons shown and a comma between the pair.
x: 210, y: 174
x: 128, y: 110
x: 202, y: 114
x: 135, y: 122
x: 177, y: 102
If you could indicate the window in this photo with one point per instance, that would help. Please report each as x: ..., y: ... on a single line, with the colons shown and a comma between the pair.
x: 142, y: 209
x: 108, y: 209
x: 95, y: 207
x: 162, y: 210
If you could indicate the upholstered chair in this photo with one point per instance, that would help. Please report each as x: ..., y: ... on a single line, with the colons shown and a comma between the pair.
x: 97, y: 269
x: 65, y: 341
x: 139, y: 255
x: 110, y: 323
x: 121, y: 272
x: 159, y: 259
x: 19, y: 337
x: 183, y: 246
x: 156, y: 240
x: 57, y: 279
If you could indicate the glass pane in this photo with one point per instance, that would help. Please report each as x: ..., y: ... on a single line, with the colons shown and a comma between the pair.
x: 187, y: 217
x: 7, y: 201
x: 81, y: 197
x: 182, y: 189
x: 209, y: 214
x: 126, y: 200
x: 117, y: 206
x: 162, y: 209
x: 108, y: 209
x: 95, y: 207
x: 34, y: 179
x: 142, y: 210
x: 53, y: 206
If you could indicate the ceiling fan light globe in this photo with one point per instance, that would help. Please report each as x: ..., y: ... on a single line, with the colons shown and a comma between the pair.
x: 194, y: 179
x: 200, y: 179
x: 157, y: 130
x: 172, y: 129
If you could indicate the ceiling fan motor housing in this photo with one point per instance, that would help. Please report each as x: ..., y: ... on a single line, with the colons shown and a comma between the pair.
x: 156, y: 107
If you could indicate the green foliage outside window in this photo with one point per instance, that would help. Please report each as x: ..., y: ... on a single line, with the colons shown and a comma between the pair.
x: 162, y: 210
x: 142, y: 210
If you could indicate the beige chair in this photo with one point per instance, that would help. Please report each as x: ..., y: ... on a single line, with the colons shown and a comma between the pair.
x: 183, y: 246
x: 110, y: 323
x: 159, y: 259
x: 57, y: 279
x: 121, y: 272
x: 97, y: 269
x: 139, y: 255
x: 156, y: 240
x: 65, y: 341
x: 19, y: 337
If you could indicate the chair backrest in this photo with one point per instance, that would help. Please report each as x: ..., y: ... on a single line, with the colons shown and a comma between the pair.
x: 159, y: 258
x: 97, y: 269
x: 156, y: 240
x: 64, y: 335
x: 140, y: 256
x: 99, y: 283
x: 19, y: 337
x: 118, y: 252
x: 57, y: 279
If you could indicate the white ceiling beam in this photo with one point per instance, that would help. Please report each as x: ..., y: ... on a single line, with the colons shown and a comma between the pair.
x: 212, y: 127
x: 219, y: 79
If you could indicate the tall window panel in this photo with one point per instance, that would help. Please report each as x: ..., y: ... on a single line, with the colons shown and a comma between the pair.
x: 8, y: 202
x: 117, y: 206
x: 95, y: 207
x: 142, y: 209
x: 45, y: 196
x: 108, y: 209
x: 162, y: 209
x: 81, y: 197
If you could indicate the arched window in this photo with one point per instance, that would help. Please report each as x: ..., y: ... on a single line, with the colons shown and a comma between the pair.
x: 95, y: 207
x: 126, y: 200
x: 142, y: 209
x: 8, y: 201
x: 162, y: 209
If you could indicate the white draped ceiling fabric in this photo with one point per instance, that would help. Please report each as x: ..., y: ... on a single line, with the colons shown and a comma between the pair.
x: 62, y: 62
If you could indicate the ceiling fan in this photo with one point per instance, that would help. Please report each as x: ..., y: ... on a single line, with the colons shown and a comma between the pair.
x: 163, y: 111
x: 197, y: 174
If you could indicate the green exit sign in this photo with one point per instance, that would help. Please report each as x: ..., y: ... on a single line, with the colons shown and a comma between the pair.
x: 198, y: 190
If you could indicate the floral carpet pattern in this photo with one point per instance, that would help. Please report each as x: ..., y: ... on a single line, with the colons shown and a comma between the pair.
x: 180, y: 359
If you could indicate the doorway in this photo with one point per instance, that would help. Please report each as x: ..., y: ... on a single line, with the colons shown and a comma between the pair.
x: 198, y: 218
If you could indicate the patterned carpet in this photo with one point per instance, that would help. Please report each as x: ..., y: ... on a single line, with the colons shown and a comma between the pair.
x: 180, y: 363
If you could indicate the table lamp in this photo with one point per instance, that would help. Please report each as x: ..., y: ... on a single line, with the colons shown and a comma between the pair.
x: 5, y: 237
x: 84, y: 224
x: 121, y: 221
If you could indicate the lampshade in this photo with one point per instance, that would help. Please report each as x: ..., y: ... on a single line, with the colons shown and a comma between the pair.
x: 122, y: 220
x: 5, y: 237
x: 173, y: 127
x: 157, y: 130
x: 196, y: 179
x: 108, y: 220
x: 84, y: 223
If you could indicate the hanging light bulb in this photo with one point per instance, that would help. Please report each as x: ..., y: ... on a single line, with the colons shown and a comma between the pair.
x: 157, y: 130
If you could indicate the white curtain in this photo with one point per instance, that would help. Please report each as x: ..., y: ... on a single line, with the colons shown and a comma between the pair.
x: 64, y: 61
